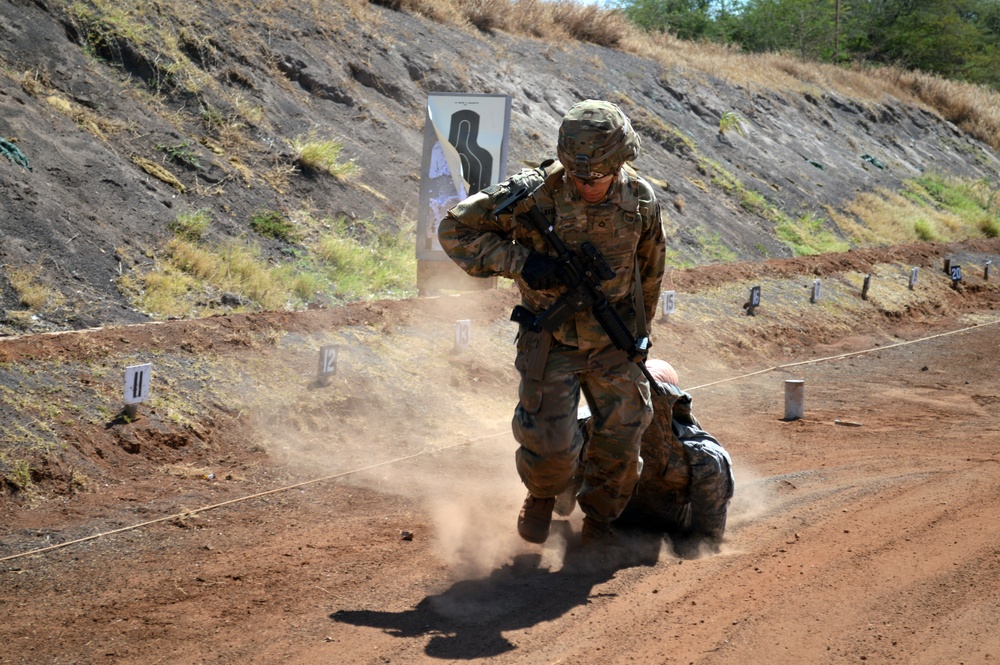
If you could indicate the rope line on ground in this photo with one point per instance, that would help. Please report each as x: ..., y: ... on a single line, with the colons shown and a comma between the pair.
x: 844, y: 355
x: 189, y: 513
x: 464, y: 442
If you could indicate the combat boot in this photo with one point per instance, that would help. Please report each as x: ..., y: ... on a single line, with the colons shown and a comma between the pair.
x: 566, y: 500
x: 597, y: 533
x: 711, y: 528
x: 535, y: 518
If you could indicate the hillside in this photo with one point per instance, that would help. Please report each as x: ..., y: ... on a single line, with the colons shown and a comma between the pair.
x: 161, y: 137
x: 250, y: 513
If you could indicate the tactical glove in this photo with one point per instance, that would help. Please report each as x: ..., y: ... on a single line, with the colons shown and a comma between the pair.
x: 541, y: 272
x: 530, y: 179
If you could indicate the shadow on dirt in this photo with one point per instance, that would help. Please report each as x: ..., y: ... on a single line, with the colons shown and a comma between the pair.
x: 468, y: 620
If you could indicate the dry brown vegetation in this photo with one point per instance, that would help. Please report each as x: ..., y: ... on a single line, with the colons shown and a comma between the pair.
x: 973, y: 108
x: 551, y: 21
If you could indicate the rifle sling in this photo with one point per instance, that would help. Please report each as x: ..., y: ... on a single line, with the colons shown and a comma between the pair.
x: 640, y: 305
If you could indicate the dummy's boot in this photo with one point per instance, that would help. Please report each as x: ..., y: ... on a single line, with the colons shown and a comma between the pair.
x: 704, y: 536
x: 535, y: 518
x: 710, y: 529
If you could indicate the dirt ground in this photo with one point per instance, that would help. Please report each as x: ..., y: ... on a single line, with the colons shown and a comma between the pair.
x: 864, y: 532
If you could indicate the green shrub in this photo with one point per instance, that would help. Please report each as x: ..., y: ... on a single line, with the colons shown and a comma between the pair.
x: 323, y: 155
x: 731, y: 120
x: 191, y: 225
x: 966, y: 207
x: 712, y: 247
x: 925, y: 230
x: 752, y: 201
x: 365, y: 259
x: 990, y: 226
x: 272, y: 224
x: 807, y: 235
x: 182, y: 154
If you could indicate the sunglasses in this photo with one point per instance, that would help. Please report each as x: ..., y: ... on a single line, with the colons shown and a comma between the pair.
x: 594, y: 179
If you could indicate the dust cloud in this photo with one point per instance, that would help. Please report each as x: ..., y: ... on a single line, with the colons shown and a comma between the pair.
x: 412, y: 416
x: 474, y: 523
x: 754, y: 497
x: 466, y: 491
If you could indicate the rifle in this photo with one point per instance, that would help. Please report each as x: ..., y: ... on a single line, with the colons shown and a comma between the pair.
x: 582, y: 273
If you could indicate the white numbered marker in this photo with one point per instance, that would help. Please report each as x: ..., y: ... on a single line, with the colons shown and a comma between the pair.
x: 328, y: 360
x: 463, y: 334
x: 668, y: 303
x: 137, y: 379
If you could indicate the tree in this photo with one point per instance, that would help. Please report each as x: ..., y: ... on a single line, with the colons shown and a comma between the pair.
x: 803, y: 26
x: 686, y: 19
x: 957, y: 39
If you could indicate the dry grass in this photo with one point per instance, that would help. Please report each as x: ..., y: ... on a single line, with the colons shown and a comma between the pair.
x: 553, y: 21
x: 187, y: 471
x: 191, y: 274
x: 931, y: 208
x: 159, y: 172
x: 31, y: 291
x: 976, y: 109
x: 588, y: 23
x: 92, y: 122
x: 322, y: 154
x: 340, y: 259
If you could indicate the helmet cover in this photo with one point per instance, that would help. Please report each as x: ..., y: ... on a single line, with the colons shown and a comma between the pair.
x: 595, y: 139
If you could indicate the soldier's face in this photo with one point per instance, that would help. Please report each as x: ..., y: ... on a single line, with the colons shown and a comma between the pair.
x: 594, y: 190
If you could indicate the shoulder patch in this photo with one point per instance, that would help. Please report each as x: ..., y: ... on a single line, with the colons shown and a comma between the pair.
x: 647, y: 196
x: 628, y: 194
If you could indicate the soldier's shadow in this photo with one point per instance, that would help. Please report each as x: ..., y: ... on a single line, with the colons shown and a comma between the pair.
x: 468, y: 620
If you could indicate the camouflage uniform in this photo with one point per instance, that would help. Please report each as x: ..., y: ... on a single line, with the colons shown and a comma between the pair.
x: 626, y: 228
x: 686, y: 480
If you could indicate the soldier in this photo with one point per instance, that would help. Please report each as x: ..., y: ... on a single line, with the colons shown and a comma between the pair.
x: 686, y: 478
x: 591, y: 195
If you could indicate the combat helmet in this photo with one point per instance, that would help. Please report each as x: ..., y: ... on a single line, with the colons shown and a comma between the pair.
x: 596, y: 138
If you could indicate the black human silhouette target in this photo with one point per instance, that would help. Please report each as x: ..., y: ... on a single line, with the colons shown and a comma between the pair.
x: 477, y: 162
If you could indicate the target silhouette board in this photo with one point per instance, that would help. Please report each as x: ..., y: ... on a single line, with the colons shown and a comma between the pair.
x: 465, y: 151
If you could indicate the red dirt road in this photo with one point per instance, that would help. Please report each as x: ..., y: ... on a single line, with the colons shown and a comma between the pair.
x: 877, y: 543
x: 872, y: 540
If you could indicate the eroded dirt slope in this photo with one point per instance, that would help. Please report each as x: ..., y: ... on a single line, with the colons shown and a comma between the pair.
x: 103, y: 104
